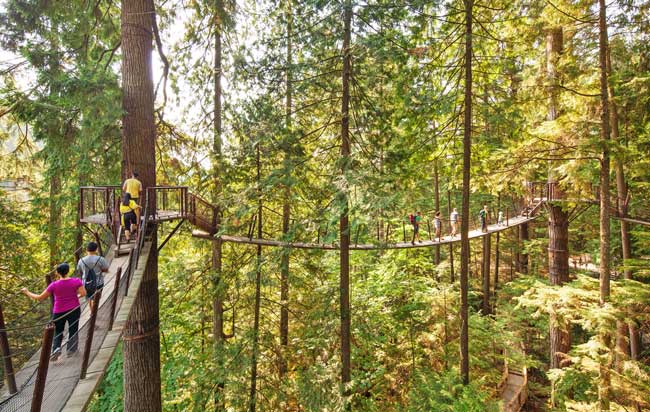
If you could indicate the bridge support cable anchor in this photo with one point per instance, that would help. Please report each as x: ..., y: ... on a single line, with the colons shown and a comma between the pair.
x: 10, y: 376
x: 41, y: 371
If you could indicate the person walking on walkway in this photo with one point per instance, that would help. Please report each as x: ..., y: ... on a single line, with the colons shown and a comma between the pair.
x: 484, y: 217
x: 453, y: 220
x: 437, y: 225
x: 133, y: 187
x: 500, y: 218
x: 130, y: 211
x: 415, y: 221
x: 91, y: 269
x: 66, y: 292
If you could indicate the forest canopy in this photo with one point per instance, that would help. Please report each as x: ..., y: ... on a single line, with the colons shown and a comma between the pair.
x: 339, y: 125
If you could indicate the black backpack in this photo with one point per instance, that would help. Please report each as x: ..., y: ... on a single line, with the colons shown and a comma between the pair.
x: 90, y: 281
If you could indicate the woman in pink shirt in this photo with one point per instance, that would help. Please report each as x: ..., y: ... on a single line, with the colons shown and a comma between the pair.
x: 66, y: 292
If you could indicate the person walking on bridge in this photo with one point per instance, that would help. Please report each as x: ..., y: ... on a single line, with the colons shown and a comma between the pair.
x: 130, y: 211
x: 453, y: 220
x: 91, y: 270
x: 415, y: 221
x: 484, y: 217
x: 66, y: 292
x: 133, y: 187
x: 437, y: 224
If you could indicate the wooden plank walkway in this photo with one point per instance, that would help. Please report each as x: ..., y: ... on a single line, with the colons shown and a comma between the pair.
x: 85, y: 388
x: 63, y: 374
x: 513, y: 222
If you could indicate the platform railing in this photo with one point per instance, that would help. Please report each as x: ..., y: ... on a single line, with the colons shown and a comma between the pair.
x: 202, y: 213
x: 170, y: 202
x: 96, y: 203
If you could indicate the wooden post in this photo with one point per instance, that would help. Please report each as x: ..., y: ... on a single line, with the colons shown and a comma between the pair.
x: 10, y: 377
x: 404, y: 231
x: 507, y: 217
x: 451, y: 262
x: 41, y: 372
x: 429, y: 228
x: 89, y: 334
x: 116, y: 291
x: 81, y: 204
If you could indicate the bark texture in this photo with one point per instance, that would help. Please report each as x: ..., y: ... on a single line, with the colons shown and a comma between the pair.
x: 141, y: 335
x: 344, y: 284
x: 464, y: 226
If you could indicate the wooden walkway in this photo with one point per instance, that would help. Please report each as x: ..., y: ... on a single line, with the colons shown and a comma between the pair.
x: 63, y: 384
x: 513, y: 222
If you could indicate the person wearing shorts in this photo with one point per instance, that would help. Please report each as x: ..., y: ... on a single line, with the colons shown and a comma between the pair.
x: 130, y: 215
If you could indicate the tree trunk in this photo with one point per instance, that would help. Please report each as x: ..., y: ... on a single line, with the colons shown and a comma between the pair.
x: 344, y: 286
x: 522, y: 258
x: 464, y: 230
x: 436, y: 200
x: 625, y: 348
x: 286, y: 205
x: 217, y: 244
x: 485, y: 268
x: 258, y: 281
x: 141, y: 335
x: 451, y: 244
x: 54, y: 221
x: 604, y: 372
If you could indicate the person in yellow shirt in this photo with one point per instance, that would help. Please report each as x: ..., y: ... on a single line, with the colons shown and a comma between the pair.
x: 130, y: 215
x: 133, y: 187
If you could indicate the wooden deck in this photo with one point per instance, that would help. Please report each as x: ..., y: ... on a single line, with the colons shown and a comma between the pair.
x: 161, y: 216
x: 516, y: 221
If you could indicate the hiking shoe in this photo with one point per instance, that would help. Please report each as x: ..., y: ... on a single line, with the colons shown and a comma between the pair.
x: 55, y: 354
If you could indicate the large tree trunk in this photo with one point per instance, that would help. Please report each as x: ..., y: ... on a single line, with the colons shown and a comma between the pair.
x: 625, y: 348
x: 464, y: 226
x: 344, y: 285
x: 558, y: 218
x: 141, y: 335
x: 286, y: 205
x: 604, y: 371
x: 217, y: 245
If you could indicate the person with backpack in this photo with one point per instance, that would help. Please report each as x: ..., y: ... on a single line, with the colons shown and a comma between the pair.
x: 66, y: 309
x: 437, y: 225
x: 91, y: 270
x: 484, y: 216
x: 415, y: 221
x: 133, y: 187
x: 130, y: 215
x: 453, y: 220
